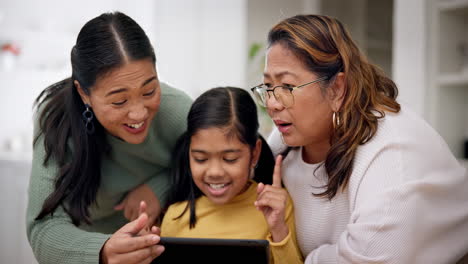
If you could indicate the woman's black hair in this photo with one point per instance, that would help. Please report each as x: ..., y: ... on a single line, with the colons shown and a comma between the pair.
x: 103, y: 44
x: 222, y: 107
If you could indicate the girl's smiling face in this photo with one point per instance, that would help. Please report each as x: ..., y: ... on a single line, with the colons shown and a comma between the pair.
x: 221, y: 164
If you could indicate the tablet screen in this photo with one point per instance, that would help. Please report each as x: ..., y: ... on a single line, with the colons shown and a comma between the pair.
x: 208, y: 250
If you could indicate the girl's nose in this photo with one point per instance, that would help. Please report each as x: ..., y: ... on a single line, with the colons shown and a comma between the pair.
x: 215, y: 170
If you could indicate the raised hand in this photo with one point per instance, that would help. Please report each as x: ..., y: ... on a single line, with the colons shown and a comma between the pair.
x: 131, y: 204
x: 124, y: 246
x: 271, y: 201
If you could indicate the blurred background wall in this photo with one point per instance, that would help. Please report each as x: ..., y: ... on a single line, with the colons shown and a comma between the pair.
x: 200, y: 44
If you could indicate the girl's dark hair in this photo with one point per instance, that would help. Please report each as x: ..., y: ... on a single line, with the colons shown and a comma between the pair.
x: 223, y: 107
x: 103, y: 44
x: 326, y: 48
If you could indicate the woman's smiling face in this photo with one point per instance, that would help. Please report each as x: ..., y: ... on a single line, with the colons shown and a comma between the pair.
x: 125, y: 100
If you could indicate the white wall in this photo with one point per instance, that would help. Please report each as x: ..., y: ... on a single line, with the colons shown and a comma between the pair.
x: 45, y: 31
x: 201, y: 45
x: 410, y: 53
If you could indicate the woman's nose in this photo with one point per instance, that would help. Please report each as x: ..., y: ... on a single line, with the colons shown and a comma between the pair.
x: 272, y: 104
x: 138, y: 112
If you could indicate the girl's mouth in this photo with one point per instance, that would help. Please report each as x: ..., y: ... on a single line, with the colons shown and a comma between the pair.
x: 218, y: 189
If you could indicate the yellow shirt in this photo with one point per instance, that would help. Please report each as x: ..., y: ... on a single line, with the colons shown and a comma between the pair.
x: 238, y: 219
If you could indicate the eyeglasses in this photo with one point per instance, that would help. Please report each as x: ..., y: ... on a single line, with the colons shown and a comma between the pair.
x: 282, y: 94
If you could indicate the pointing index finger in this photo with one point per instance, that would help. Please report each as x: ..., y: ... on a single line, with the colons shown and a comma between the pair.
x: 277, y: 172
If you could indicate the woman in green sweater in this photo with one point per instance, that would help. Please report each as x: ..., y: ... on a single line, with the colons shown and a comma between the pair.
x: 103, y: 139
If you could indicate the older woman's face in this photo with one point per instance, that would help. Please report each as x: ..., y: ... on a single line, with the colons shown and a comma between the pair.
x: 308, y: 121
x: 126, y: 100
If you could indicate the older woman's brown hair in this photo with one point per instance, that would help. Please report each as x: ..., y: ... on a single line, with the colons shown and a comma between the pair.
x: 325, y: 47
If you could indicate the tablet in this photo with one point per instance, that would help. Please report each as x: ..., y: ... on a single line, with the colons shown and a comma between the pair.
x: 209, y: 250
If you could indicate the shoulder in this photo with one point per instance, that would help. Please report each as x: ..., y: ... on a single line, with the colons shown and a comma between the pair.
x: 170, y: 95
x: 410, y: 139
x: 175, y: 103
x: 176, y: 209
x: 173, y: 111
x: 404, y: 149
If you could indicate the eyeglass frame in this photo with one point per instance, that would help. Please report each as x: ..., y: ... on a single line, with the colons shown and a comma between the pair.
x: 291, y: 89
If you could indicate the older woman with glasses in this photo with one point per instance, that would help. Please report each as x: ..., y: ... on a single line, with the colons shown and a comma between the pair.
x: 363, y: 171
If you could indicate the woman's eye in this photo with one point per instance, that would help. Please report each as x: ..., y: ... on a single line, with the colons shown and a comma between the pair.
x: 287, y: 85
x: 119, y: 102
x: 150, y: 93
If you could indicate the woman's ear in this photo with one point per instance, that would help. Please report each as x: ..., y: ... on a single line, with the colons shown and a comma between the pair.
x: 256, y: 152
x: 337, y: 92
x: 81, y: 92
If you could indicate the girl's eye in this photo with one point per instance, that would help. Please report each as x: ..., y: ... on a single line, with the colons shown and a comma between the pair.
x: 199, y: 160
x: 119, y: 102
x: 150, y: 93
x: 230, y: 160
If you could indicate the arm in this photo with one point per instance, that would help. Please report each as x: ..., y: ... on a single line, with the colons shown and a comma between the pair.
x: 54, y: 239
x: 397, y: 192
x: 276, y: 205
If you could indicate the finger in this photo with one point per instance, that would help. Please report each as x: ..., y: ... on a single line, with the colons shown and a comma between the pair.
x: 155, y: 254
x: 271, y: 202
x: 271, y: 190
x: 135, y: 226
x: 121, y: 205
x: 125, y: 245
x: 142, y: 208
x: 156, y: 230
x: 141, y: 254
x: 277, y: 172
x: 260, y: 188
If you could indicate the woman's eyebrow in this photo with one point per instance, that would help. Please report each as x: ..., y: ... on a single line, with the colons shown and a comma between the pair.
x: 148, y: 81
x: 125, y: 89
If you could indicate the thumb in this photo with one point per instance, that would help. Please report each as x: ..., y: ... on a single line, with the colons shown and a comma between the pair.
x: 135, y: 226
x: 121, y: 205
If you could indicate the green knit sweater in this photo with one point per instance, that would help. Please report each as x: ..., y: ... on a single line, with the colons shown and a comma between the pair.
x: 54, y: 239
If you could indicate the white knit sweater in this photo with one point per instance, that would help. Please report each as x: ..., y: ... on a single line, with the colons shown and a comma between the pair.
x: 406, y: 200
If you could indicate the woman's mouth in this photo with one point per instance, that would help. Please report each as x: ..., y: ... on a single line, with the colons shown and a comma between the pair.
x: 283, y: 126
x: 135, y: 128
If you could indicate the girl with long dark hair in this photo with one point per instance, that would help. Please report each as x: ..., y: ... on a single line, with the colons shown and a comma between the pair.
x: 221, y: 163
